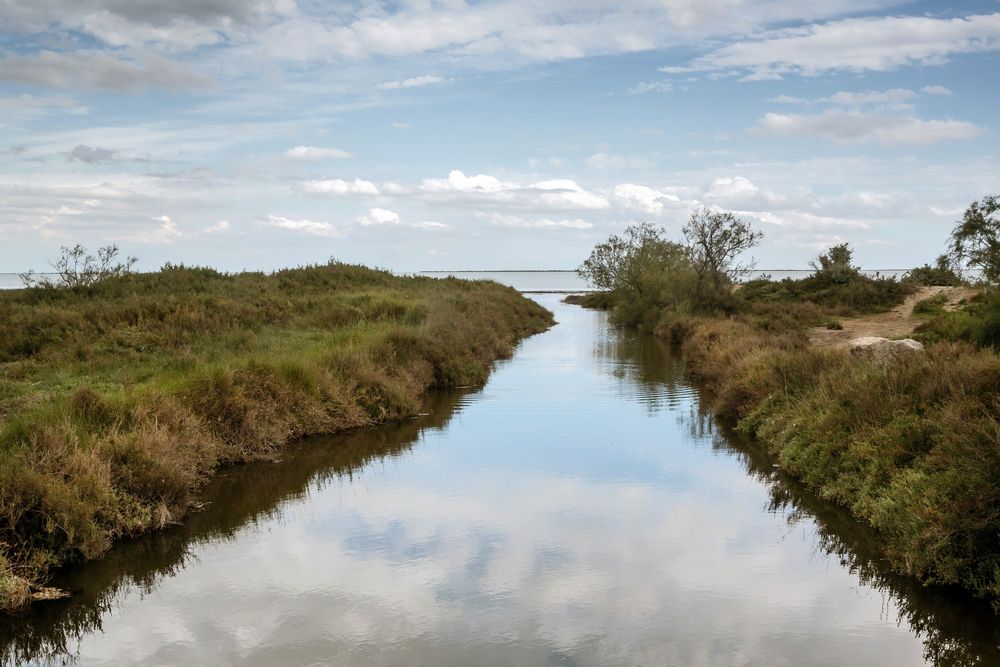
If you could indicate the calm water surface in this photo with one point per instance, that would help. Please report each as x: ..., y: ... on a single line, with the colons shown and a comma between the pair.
x: 581, y: 509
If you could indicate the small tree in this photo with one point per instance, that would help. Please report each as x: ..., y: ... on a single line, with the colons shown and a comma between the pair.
x: 975, y: 241
x: 942, y: 273
x: 645, y: 272
x: 78, y: 268
x: 714, y: 240
x: 631, y: 261
x: 835, y: 264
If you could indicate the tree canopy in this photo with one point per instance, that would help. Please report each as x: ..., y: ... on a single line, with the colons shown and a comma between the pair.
x: 975, y: 241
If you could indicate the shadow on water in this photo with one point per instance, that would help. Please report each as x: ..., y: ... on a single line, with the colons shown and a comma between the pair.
x: 237, y: 497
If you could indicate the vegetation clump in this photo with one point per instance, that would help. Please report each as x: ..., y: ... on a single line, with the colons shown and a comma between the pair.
x: 117, y: 400
x: 836, y: 285
x: 943, y: 274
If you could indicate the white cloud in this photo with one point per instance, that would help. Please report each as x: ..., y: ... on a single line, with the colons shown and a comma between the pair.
x: 457, y: 181
x: 861, y: 127
x: 643, y: 199
x: 400, y: 126
x: 218, y: 228
x: 313, y: 227
x: 935, y: 90
x: 340, y: 187
x: 739, y: 192
x: 315, y: 153
x: 166, y: 232
x: 855, y: 44
x: 377, y: 217
x: 414, y: 82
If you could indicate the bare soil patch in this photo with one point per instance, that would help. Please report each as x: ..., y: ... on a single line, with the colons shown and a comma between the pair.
x: 896, y: 323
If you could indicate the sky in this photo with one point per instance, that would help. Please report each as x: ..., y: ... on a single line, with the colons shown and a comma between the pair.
x: 499, y: 134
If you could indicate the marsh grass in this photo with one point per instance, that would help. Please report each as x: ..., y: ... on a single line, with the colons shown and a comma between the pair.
x: 118, y: 399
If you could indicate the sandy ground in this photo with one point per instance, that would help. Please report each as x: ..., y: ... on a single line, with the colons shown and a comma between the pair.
x: 896, y: 323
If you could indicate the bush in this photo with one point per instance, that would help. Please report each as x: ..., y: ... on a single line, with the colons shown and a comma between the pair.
x: 845, y: 293
x: 941, y: 274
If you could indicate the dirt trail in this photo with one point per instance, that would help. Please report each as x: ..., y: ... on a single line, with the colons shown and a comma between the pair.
x: 896, y: 323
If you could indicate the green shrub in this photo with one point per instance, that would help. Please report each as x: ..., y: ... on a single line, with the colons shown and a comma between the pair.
x: 942, y: 273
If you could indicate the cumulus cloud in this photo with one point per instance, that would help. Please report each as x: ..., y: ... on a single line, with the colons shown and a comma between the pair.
x: 91, y: 154
x: 935, y: 90
x: 166, y: 232
x: 414, y: 82
x: 379, y: 216
x: 91, y: 70
x: 646, y: 200
x: 862, y: 127
x: 855, y: 44
x: 339, y: 187
x: 313, y: 227
x: 382, y: 217
x: 315, y: 153
x: 738, y: 192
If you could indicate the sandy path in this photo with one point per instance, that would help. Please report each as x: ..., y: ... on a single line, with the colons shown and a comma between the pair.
x: 896, y: 323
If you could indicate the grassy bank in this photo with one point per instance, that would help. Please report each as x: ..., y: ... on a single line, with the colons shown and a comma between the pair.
x: 911, y: 448
x: 118, y: 400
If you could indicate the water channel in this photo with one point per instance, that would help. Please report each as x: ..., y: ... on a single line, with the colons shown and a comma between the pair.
x: 580, y: 509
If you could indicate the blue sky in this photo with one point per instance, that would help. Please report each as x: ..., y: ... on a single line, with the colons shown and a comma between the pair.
x: 501, y: 134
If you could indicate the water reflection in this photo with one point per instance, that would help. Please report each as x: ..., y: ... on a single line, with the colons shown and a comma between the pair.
x: 581, y: 509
